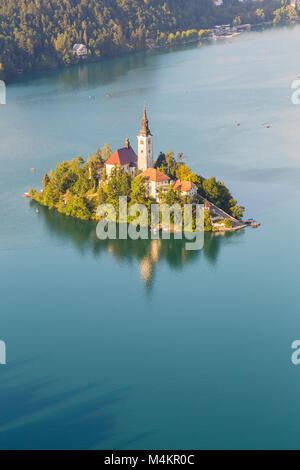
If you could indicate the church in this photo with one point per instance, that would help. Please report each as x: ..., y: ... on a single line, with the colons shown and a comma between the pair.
x: 126, y: 157
x: 143, y: 163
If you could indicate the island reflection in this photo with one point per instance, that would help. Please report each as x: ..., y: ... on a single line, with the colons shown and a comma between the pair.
x: 148, y: 253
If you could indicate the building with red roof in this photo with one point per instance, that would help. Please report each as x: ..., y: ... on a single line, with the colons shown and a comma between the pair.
x: 154, y: 181
x: 124, y: 158
x: 186, y: 188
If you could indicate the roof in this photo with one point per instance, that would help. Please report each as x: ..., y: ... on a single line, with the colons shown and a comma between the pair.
x: 154, y: 175
x: 80, y: 49
x: 184, y: 186
x: 145, y: 131
x: 122, y: 157
x: 79, y: 46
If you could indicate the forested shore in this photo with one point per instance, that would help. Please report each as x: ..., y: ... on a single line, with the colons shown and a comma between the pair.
x: 40, y: 34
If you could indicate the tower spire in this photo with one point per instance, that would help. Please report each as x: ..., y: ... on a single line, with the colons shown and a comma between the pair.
x: 145, y: 144
x: 145, y: 131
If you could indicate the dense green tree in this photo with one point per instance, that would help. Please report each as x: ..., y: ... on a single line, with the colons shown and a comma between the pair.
x: 138, y: 191
x: 207, y: 221
x: 77, y: 207
x: 66, y: 176
x: 118, y: 185
x: 50, y: 195
x: 37, y: 34
x: 171, y: 197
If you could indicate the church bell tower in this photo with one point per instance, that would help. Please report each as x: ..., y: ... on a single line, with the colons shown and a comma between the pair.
x: 145, y: 145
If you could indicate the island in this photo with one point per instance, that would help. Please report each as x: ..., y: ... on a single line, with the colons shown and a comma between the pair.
x: 77, y: 188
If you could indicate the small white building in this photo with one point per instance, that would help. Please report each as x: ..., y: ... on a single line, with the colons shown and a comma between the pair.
x: 80, y: 50
x: 154, y: 181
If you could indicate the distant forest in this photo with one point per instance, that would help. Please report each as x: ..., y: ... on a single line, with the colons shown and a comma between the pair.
x: 40, y: 34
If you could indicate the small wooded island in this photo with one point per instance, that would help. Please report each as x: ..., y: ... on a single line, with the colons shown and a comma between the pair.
x: 77, y: 188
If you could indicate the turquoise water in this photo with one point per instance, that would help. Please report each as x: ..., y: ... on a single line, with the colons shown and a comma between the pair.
x: 132, y: 345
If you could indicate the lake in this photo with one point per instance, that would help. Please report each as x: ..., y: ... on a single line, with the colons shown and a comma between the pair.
x: 143, y: 345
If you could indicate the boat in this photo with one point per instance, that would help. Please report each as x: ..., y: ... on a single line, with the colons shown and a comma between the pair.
x: 26, y: 195
x: 255, y: 224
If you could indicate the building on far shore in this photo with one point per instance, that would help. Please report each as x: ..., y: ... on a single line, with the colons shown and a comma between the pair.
x: 80, y: 50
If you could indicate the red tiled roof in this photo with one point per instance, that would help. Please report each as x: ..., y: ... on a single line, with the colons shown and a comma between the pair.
x: 122, y: 157
x: 184, y: 186
x: 154, y: 175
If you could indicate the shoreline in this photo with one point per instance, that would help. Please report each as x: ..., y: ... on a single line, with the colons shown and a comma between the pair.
x: 237, y: 224
x: 17, y: 77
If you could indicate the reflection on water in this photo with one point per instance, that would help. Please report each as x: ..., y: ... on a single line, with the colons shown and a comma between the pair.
x: 105, y: 72
x: 89, y: 75
x: 149, y: 253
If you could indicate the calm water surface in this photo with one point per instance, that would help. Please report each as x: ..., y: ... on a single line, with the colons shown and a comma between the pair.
x: 142, y: 344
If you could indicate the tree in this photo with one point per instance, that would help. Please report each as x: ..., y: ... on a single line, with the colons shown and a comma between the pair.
x: 237, y: 20
x: 94, y: 165
x: 184, y: 173
x: 171, y: 163
x: 50, y: 195
x: 118, y: 185
x: 45, y: 181
x: 237, y: 211
x: 65, y: 176
x: 207, y: 221
x: 106, y: 152
x: 171, y: 196
x: 260, y: 14
x: 161, y: 163
x: 138, y: 191
x: 77, y: 207
x: 101, y: 197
